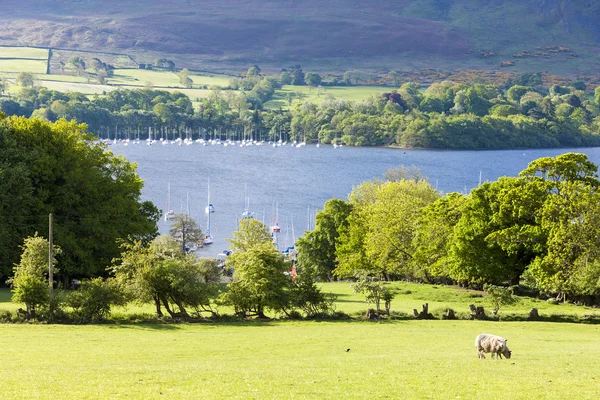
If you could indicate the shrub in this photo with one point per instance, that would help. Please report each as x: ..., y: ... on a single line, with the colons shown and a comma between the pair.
x: 306, y: 296
x: 94, y: 299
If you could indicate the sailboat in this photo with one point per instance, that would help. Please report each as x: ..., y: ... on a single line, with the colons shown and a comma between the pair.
x: 208, y: 239
x: 169, y: 213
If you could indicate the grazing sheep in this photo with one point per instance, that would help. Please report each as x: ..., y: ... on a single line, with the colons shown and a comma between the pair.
x: 486, y: 343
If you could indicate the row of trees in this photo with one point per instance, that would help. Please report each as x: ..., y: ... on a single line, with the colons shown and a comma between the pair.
x: 177, y: 282
x: 540, y: 228
x: 445, y: 115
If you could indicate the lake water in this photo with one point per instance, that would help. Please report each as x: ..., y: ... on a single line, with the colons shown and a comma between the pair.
x: 292, y: 183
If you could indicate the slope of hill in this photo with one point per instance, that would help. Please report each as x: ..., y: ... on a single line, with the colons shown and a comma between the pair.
x: 555, y: 35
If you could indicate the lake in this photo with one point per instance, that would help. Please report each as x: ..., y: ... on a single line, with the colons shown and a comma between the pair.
x: 288, y: 184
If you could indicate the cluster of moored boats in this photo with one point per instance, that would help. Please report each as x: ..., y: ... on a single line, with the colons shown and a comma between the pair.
x: 207, y: 142
x: 210, y: 142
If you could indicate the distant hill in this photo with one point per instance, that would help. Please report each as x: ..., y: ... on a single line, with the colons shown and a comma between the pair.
x: 558, y: 36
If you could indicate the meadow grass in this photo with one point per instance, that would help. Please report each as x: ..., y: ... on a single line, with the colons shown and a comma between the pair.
x: 139, y: 77
x: 33, y: 66
x: 23, y: 52
x: 399, y: 359
x: 318, y: 95
x: 406, y: 359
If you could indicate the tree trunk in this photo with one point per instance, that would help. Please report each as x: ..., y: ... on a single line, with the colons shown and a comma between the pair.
x: 159, y: 312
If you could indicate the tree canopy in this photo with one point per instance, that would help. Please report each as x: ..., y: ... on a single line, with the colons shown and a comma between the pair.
x: 95, y: 196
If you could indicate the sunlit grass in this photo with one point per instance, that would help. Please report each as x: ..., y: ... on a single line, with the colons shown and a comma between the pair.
x: 402, y: 359
x: 318, y: 95
x: 23, y: 52
x: 34, y: 66
x: 141, y: 77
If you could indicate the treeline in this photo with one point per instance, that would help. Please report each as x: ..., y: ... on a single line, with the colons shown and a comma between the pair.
x: 540, y: 229
x: 445, y: 115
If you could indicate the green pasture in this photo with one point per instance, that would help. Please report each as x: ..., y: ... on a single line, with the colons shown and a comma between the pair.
x: 21, y: 65
x: 318, y: 95
x: 400, y: 359
x: 23, y: 52
x: 406, y: 359
x: 140, y: 77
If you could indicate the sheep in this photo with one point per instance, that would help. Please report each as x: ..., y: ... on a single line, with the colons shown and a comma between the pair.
x: 486, y: 343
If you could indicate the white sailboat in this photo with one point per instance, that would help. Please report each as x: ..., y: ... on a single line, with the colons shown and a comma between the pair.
x: 208, y: 239
x: 169, y: 213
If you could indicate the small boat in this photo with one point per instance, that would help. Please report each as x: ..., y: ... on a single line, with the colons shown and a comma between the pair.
x: 169, y: 213
x: 208, y: 239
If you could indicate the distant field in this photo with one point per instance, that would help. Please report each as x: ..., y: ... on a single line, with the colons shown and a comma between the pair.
x: 33, y: 66
x: 139, y: 77
x: 318, y: 95
x: 23, y: 52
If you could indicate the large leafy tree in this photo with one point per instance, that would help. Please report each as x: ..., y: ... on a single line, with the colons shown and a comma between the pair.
x: 434, y: 235
x: 259, y: 283
x: 94, y: 195
x: 316, y: 249
x: 381, y: 226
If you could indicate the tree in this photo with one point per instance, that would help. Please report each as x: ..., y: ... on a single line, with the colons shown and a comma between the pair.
x: 297, y: 76
x: 316, y: 249
x: 30, y: 282
x: 25, y: 79
x: 374, y: 290
x: 186, y: 232
x: 94, y: 195
x: 597, y: 95
x: 394, y: 77
x: 392, y: 216
x: 312, y: 79
x: 78, y: 63
x: 254, y: 70
x: 184, y: 78
x: 500, y: 296
x: 434, y: 235
x: 259, y: 282
x: 163, y: 274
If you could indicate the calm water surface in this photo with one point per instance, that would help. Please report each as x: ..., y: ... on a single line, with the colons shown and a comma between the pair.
x: 298, y: 181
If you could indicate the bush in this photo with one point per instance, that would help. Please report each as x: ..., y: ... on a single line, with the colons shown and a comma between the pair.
x: 306, y: 296
x: 93, y: 301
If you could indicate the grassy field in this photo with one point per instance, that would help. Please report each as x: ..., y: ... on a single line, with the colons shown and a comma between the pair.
x: 22, y: 65
x: 406, y: 359
x: 23, y: 52
x: 402, y: 359
x: 318, y: 95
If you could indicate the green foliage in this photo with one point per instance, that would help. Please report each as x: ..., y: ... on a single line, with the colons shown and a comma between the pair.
x: 259, y: 283
x: 308, y: 297
x: 25, y: 79
x: 375, y: 291
x: 163, y: 274
x: 316, y: 249
x: 186, y: 232
x: 95, y: 298
x: 30, y: 283
x: 94, y: 195
x: 500, y: 296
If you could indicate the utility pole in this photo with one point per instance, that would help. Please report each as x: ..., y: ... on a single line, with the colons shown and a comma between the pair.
x: 50, y: 265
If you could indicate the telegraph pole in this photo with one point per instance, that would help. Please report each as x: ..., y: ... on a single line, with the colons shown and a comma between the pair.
x: 50, y: 265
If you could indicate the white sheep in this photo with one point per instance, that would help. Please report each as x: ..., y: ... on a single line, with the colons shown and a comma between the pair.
x: 486, y: 343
